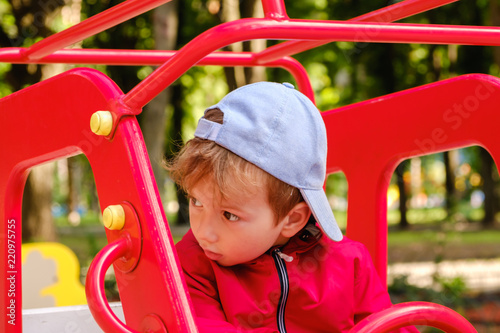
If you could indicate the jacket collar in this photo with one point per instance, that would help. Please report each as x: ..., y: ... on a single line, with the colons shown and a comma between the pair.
x: 305, y: 239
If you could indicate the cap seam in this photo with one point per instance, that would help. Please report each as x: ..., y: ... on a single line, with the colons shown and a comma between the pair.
x: 276, y: 123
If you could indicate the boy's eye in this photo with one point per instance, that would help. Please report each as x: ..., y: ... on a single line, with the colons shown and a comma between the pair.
x: 230, y: 217
x: 195, y: 202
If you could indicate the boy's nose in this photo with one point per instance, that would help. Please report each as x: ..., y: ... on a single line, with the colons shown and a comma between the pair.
x: 207, y: 230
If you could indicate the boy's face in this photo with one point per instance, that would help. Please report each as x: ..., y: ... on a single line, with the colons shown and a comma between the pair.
x: 234, y: 230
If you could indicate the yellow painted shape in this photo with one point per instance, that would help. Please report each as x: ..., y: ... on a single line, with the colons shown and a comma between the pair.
x: 66, y: 287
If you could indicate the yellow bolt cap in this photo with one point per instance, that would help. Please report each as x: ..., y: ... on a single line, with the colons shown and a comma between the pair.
x: 101, y: 123
x: 113, y: 217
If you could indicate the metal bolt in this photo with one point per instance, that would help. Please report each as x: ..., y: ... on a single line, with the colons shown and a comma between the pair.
x: 113, y: 217
x: 101, y: 123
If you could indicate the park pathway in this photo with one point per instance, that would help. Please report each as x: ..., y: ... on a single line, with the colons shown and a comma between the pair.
x: 482, y: 275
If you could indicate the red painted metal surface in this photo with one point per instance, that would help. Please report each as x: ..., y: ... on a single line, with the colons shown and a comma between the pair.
x: 246, y: 29
x: 113, y: 253
x: 274, y: 9
x: 89, y: 27
x: 94, y: 286
x: 367, y: 140
x: 414, y: 313
x: 155, y: 57
x: 390, y: 13
x: 50, y: 120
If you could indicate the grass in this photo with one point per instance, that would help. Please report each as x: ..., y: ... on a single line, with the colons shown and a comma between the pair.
x: 477, y: 237
x: 90, y: 218
x: 85, y: 246
x: 472, y: 244
x: 422, y: 216
x: 424, y: 241
x: 437, y: 235
x: 429, y: 228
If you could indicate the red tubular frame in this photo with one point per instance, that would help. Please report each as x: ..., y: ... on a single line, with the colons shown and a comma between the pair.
x: 414, y: 313
x: 156, y: 57
x: 91, y: 26
x: 246, y: 29
x: 390, y: 13
x: 94, y: 287
x: 274, y: 9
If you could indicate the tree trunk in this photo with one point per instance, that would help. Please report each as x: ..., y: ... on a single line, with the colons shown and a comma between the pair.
x: 233, y: 10
x: 253, y: 8
x: 235, y: 76
x: 491, y: 203
x: 490, y: 198
x: 37, y: 202
x: 154, y: 117
x: 450, y: 167
x: 37, y: 198
x: 495, y: 21
x: 176, y: 135
x: 403, y: 222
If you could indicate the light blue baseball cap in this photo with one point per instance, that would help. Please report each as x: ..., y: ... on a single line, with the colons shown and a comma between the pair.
x: 278, y: 129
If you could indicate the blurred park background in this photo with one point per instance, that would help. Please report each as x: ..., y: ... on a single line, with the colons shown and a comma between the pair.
x: 441, y: 208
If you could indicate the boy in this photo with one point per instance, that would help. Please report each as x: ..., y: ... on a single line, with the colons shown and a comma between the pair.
x: 254, y: 259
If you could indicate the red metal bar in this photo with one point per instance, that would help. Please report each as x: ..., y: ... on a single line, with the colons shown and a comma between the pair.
x: 156, y: 58
x: 90, y: 26
x: 55, y: 116
x: 299, y: 73
x: 391, y: 13
x: 128, y: 57
x: 247, y: 29
x: 414, y: 313
x: 94, y: 287
x: 275, y: 9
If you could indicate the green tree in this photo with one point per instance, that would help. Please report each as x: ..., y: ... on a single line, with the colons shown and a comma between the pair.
x: 26, y: 22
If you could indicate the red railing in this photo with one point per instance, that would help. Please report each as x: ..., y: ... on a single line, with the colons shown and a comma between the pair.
x: 91, y: 26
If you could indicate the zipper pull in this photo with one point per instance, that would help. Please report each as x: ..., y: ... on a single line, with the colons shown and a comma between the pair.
x: 284, y: 256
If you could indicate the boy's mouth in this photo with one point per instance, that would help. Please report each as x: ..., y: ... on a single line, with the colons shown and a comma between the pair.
x: 212, y: 255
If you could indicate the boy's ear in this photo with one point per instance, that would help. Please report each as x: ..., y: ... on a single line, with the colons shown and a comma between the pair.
x: 296, y: 219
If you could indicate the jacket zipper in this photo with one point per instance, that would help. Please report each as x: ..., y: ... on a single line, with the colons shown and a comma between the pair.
x: 283, y: 277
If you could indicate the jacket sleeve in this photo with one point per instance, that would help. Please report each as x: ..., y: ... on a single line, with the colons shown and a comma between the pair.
x: 206, y: 325
x: 202, y: 286
x: 370, y: 295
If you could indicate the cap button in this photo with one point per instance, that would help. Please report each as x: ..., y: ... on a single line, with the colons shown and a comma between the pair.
x: 288, y: 85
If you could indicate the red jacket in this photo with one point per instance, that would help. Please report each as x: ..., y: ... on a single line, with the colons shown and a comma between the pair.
x: 311, y: 284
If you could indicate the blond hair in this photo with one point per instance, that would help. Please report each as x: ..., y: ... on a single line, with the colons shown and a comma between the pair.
x: 201, y: 158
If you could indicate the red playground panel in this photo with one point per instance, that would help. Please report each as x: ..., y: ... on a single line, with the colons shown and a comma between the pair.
x: 449, y: 114
x: 57, y: 125
x: 83, y: 112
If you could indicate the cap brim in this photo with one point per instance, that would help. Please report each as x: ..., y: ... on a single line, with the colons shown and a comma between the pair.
x: 320, y: 208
